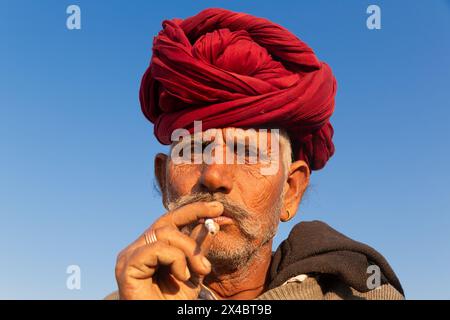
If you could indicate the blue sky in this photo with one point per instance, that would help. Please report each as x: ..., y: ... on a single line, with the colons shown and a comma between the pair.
x: 76, y: 154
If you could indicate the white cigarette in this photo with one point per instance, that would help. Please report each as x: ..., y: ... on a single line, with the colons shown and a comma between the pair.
x: 211, y: 226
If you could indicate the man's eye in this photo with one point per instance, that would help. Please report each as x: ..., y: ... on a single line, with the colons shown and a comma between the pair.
x: 200, y: 146
x: 205, y: 144
x: 197, y: 148
x: 246, y: 152
x: 251, y: 151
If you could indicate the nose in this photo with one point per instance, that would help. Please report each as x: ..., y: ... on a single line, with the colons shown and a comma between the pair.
x: 217, y: 178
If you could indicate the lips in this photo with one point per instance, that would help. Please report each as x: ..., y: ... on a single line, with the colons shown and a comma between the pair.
x: 221, y: 220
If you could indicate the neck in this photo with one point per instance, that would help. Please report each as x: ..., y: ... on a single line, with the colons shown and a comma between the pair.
x: 246, y: 283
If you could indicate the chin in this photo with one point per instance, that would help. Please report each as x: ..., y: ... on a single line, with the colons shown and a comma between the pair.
x: 230, y: 251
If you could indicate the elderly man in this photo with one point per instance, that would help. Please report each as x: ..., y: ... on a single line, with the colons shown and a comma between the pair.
x: 245, y: 106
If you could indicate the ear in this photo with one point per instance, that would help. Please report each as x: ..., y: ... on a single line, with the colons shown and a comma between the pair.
x: 160, y: 173
x: 296, y: 184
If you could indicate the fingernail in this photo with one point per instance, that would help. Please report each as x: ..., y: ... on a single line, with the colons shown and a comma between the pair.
x: 187, y: 273
x: 206, y: 263
x: 214, y: 204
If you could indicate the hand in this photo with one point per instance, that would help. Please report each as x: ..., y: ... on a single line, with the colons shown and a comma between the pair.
x: 174, y: 266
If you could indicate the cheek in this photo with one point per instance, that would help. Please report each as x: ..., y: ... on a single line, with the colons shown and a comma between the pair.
x: 181, y: 179
x: 260, y: 193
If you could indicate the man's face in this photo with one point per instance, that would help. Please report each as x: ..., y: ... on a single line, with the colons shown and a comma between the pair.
x: 252, y: 201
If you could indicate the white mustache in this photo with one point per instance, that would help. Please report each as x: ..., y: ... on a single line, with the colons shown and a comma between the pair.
x: 235, y: 211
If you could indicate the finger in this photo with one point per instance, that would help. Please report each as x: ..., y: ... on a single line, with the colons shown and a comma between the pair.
x: 188, y: 245
x: 191, y: 213
x: 144, y: 261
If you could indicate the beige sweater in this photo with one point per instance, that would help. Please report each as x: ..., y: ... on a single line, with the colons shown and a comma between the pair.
x: 312, y: 289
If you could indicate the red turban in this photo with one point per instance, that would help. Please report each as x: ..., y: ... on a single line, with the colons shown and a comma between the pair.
x: 231, y: 69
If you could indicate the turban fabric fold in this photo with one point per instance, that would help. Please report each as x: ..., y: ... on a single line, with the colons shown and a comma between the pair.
x: 231, y: 69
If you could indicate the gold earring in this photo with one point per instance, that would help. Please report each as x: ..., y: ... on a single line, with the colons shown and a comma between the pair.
x: 289, y: 214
